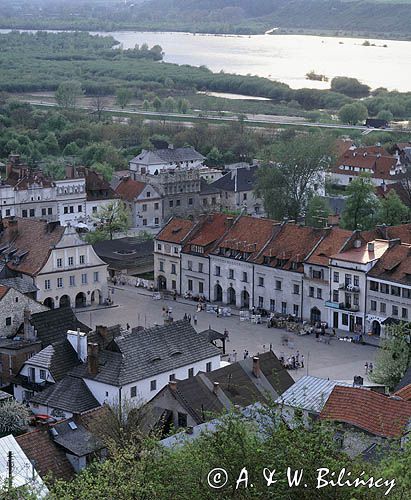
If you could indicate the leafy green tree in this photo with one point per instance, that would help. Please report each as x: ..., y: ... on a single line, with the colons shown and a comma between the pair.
x: 385, y: 114
x: 14, y: 417
x: 360, y: 211
x: 293, y: 167
x: 146, y: 105
x: 182, y: 106
x: 317, y: 212
x: 353, y: 113
x: 350, y: 87
x: 392, y: 210
x: 110, y: 219
x: 214, y: 157
x: 123, y: 97
x: 105, y: 169
x: 157, y: 104
x: 51, y: 144
x: 68, y: 93
x: 71, y: 149
x: 169, y: 104
x: 394, y: 357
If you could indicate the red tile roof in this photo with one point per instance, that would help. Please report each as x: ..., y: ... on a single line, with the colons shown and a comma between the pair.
x: 33, y: 239
x: 3, y: 291
x: 395, y: 265
x: 212, y: 228
x: 176, y: 230
x: 402, y: 232
x: 332, y: 243
x: 370, y: 411
x: 397, y: 187
x: 249, y: 235
x: 48, y: 458
x: 290, y: 246
x: 129, y: 189
x: 404, y: 393
x: 362, y: 254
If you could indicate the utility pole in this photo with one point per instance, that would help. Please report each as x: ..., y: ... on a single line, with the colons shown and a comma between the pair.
x: 10, y: 470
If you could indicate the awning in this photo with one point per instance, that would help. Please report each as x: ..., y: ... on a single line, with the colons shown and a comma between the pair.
x: 391, y: 321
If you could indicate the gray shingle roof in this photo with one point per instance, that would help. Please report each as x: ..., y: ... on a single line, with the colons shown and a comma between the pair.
x: 146, y: 353
x: 77, y: 440
x: 59, y: 358
x: 70, y: 394
x: 309, y: 393
x: 246, y: 178
x: 19, y: 284
x: 168, y: 155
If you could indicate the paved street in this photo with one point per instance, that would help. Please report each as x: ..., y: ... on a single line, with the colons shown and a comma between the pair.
x: 337, y: 360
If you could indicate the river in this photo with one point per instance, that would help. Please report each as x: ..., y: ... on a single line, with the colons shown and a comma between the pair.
x: 286, y: 58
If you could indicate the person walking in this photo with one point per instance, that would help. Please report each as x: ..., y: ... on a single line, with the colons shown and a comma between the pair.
x: 234, y: 356
x: 189, y: 318
x: 195, y: 319
x: 185, y: 317
x: 302, y: 361
x: 366, y: 368
x: 370, y: 368
x: 245, y: 354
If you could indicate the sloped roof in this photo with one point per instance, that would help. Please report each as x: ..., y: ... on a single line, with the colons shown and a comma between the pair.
x: 370, y: 411
x: 309, y: 393
x: 59, y: 358
x: 404, y: 393
x: 50, y: 460
x: 70, y: 394
x: 97, y: 188
x: 19, y: 284
x: 130, y: 189
x: 76, y: 439
x: 176, y: 230
x: 52, y: 325
x: 168, y: 155
x: 394, y: 265
x: 33, y: 243
x: 332, y: 242
x: 142, y: 354
x: 3, y: 290
x: 406, y: 380
x: 239, y: 179
x: 211, y: 228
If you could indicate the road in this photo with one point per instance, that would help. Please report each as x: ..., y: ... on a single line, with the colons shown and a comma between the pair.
x: 337, y: 360
x: 250, y: 119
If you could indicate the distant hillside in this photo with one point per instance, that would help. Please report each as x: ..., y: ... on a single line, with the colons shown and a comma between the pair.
x: 367, y: 18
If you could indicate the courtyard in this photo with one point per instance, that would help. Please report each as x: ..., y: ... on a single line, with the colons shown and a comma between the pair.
x: 337, y: 360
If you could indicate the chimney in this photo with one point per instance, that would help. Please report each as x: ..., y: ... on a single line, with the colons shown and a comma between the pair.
x: 28, y: 329
x: 229, y: 222
x: 102, y: 331
x: 173, y: 385
x: 92, y: 358
x: 256, y: 367
x: 69, y: 172
x: 371, y: 247
x: 78, y: 341
x: 216, y: 385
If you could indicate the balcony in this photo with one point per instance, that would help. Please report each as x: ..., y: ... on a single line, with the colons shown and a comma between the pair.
x: 349, y: 287
x: 341, y: 305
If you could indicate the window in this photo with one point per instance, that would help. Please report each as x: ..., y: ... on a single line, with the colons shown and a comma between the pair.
x: 175, y: 249
x: 43, y: 374
x: 172, y: 377
x: 178, y: 203
x: 208, y: 366
x: 261, y: 302
x: 347, y: 279
x: 24, y: 213
x: 148, y: 194
x: 335, y: 296
x: 8, y: 321
x: 278, y: 285
x: 217, y: 271
x: 158, y: 246
x: 395, y: 290
x: 245, y: 277
x: 72, y: 280
x: 356, y: 280
x: 296, y: 309
x: 383, y: 307
x: 336, y: 277
x: 71, y: 261
x: 205, y: 201
x: 161, y: 266
x: 174, y: 285
x: 59, y: 282
x: 153, y: 385
x: 156, y: 206
x: 284, y: 307
x: 171, y: 203
x: 79, y: 208
x: 156, y: 221
x: 406, y: 293
x: 82, y: 259
x: 8, y: 212
x: 43, y: 211
x: 319, y: 293
x: 190, y: 265
x: 144, y: 207
x: 373, y: 305
x: 344, y: 319
x: 404, y: 313
x: 59, y: 262
x: 317, y: 275
x: 173, y: 269
x: 200, y: 287
x: 395, y: 310
x: 244, y: 196
x: 133, y: 391
x: 384, y: 288
x: 95, y: 277
x: 374, y: 286
x: 311, y: 291
x: 272, y: 305
x: 231, y: 274
x: 71, y: 209
x: 190, y: 372
x: 182, y: 419
x: 144, y: 222
x: 190, y: 201
x: 200, y: 267
x: 260, y: 281
x: 94, y: 210
x: 213, y: 201
x: 296, y: 289
x: 50, y: 211
x: 190, y: 285
x: 47, y: 285
x: 32, y: 212
x: 84, y: 279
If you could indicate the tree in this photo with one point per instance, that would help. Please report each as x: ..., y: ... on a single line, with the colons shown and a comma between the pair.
x: 169, y: 104
x: 385, y: 114
x: 182, y: 106
x: 394, y: 356
x: 105, y: 169
x: 157, y: 104
x: 293, y: 168
x: 67, y: 94
x: 361, y: 206
x: 392, y: 210
x: 353, y: 113
x: 109, y: 219
x: 317, y: 212
x: 123, y: 97
x: 99, y: 103
x: 214, y: 157
x: 14, y: 416
x: 350, y: 87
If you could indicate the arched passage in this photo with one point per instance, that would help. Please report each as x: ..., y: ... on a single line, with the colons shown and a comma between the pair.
x: 49, y: 302
x: 376, y: 328
x: 162, y: 283
x: 218, y: 293
x: 64, y: 301
x: 96, y: 297
x: 81, y: 299
x: 315, y: 315
x: 231, y: 297
x: 245, y: 299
